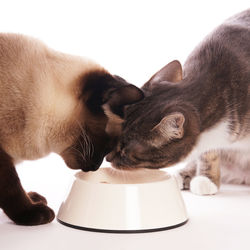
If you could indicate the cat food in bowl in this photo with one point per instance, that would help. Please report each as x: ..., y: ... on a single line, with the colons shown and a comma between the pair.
x: 123, y: 201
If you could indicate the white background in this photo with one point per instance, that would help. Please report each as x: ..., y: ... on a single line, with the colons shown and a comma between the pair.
x: 133, y: 39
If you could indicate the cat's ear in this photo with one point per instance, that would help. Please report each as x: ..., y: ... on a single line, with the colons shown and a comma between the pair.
x: 103, y: 92
x: 169, y: 128
x: 100, y: 87
x: 114, y: 106
x: 122, y: 96
x: 172, y: 72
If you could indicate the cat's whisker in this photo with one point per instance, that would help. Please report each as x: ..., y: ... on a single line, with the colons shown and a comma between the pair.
x: 79, y: 153
x: 82, y: 147
x: 88, y: 149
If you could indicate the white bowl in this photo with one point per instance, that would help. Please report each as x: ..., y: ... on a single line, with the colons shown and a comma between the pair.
x: 118, y: 201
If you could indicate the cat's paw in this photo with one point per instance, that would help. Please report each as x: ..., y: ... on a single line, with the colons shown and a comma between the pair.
x: 183, y: 179
x: 36, y: 198
x: 202, y: 185
x: 37, y: 214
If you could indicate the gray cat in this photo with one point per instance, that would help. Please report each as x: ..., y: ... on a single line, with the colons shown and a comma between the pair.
x: 200, y: 114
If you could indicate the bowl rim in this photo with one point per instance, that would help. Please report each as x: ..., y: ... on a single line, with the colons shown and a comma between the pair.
x: 169, y: 177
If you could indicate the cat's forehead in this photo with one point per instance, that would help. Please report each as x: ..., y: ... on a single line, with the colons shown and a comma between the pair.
x: 148, y: 111
x: 139, y: 123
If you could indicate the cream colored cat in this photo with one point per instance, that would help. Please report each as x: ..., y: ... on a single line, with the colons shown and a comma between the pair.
x: 52, y: 102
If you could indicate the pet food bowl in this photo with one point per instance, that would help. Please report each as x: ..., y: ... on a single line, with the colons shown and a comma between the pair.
x: 122, y: 201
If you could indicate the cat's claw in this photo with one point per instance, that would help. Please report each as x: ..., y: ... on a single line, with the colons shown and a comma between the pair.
x: 202, y: 185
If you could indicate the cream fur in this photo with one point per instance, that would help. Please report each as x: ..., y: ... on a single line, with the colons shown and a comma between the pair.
x: 39, y: 89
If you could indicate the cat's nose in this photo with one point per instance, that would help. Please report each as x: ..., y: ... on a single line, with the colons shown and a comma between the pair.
x: 110, y: 156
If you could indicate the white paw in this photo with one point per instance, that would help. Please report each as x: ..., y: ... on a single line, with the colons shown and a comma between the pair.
x: 202, y: 185
x: 179, y: 180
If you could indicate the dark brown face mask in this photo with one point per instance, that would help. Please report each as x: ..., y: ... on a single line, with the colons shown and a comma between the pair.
x: 104, y: 97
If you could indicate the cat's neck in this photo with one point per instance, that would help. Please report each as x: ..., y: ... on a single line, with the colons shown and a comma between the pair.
x: 204, y: 97
x: 216, y: 98
x: 209, y: 87
x: 215, y: 82
x: 58, y: 109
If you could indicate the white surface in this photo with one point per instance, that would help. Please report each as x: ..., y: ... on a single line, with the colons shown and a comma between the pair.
x: 133, y: 39
x: 110, y: 199
x: 219, y: 222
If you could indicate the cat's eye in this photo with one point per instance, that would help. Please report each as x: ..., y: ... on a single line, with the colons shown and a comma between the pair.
x: 137, y: 158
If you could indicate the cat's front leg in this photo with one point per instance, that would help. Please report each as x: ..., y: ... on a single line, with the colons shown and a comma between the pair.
x: 184, y: 175
x: 207, y: 179
x: 22, y: 208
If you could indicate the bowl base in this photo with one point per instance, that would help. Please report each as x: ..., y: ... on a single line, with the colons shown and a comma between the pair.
x: 122, y: 231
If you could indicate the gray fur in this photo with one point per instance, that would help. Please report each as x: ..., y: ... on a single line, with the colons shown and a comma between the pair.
x: 213, y: 95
